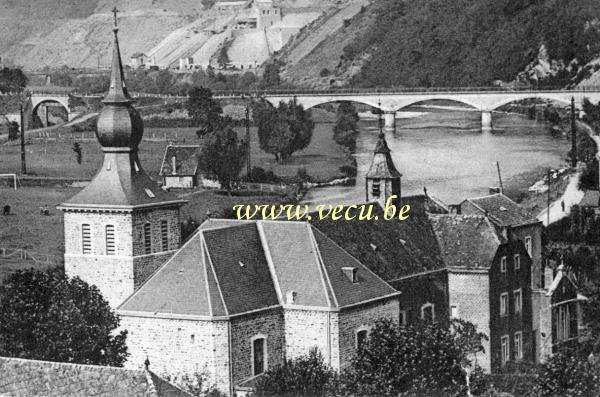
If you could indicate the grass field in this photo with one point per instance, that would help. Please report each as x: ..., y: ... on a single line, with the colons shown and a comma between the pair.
x: 43, y: 235
x: 54, y: 157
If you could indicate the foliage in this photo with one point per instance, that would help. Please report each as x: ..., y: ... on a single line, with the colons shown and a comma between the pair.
x: 77, y: 150
x: 13, y: 131
x: 164, y: 81
x: 223, y: 154
x: 349, y: 171
x: 204, y: 110
x: 196, y: 384
x: 62, y: 77
x: 470, y: 43
x: 48, y: 316
x: 271, y: 77
x: 304, y: 376
x: 12, y: 80
x: 567, y: 374
x: 283, y: 130
x: 259, y: 175
x: 208, y: 4
x: 346, y: 127
x: 418, y: 358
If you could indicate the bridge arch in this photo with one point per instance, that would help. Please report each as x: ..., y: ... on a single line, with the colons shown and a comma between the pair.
x: 36, y: 105
x: 36, y: 101
x: 311, y: 102
x: 544, y: 96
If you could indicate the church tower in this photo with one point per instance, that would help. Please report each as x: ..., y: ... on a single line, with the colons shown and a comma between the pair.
x: 383, y: 179
x: 122, y: 226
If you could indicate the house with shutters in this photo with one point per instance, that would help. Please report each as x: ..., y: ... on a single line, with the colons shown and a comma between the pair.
x: 237, y: 298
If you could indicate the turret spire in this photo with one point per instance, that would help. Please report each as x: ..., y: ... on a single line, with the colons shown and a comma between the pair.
x: 117, y: 92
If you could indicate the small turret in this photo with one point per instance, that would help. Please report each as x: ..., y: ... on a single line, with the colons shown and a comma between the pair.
x: 383, y: 179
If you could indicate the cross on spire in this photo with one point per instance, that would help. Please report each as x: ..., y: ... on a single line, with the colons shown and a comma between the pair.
x: 115, y: 11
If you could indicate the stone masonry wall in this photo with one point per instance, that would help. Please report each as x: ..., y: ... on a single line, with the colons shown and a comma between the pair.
x: 364, y: 316
x: 469, y: 292
x: 269, y: 324
x: 306, y: 329
x: 154, y: 217
x: 176, y: 347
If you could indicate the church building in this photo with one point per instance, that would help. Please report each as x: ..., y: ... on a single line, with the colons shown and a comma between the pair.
x: 237, y: 299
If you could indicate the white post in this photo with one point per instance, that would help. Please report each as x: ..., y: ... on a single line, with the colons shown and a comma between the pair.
x: 486, y: 121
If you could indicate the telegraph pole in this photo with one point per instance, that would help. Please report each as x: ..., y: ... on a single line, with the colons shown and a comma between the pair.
x: 499, y: 177
x: 23, y: 165
x: 573, y: 135
x: 248, y: 161
x: 548, y: 199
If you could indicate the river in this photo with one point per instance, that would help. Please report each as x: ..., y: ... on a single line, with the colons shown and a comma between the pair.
x: 444, y: 150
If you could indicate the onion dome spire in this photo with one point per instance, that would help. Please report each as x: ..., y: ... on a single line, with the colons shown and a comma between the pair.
x: 119, y: 124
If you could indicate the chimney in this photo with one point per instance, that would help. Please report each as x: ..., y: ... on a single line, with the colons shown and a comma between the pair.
x: 351, y: 273
x: 174, y: 165
x: 290, y: 297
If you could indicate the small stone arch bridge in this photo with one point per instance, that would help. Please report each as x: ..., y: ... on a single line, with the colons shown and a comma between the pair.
x: 485, y: 100
x: 38, y: 98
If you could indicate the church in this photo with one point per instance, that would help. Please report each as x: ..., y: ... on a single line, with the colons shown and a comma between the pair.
x: 236, y: 298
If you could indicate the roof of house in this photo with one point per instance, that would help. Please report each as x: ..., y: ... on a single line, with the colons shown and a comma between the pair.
x: 229, y: 268
x: 392, y: 249
x: 466, y: 240
x: 22, y: 377
x: 186, y: 160
x: 502, y: 211
x: 591, y: 198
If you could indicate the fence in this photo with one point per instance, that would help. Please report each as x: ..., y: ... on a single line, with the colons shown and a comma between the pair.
x: 23, y: 255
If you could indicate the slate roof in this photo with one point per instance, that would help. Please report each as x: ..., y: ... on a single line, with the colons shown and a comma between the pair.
x: 392, y: 249
x: 469, y: 241
x: 502, y: 211
x: 121, y: 183
x: 32, y: 378
x: 186, y: 160
x: 382, y: 165
x: 230, y: 268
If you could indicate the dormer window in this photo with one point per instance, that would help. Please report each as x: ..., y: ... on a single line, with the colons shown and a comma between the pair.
x: 351, y: 273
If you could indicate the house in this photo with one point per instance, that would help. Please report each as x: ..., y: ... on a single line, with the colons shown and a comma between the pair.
x: 138, y: 60
x: 180, y: 168
x: 517, y: 224
x: 240, y: 297
x: 237, y: 298
x: 22, y: 377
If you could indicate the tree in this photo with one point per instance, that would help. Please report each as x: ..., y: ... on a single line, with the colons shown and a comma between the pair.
x: 48, y: 316
x: 567, y: 373
x: 346, y: 127
x: 12, y: 80
x: 304, y: 376
x: 283, y: 130
x: 164, y: 81
x: 420, y: 358
x: 271, y: 77
x: 13, y: 131
x: 223, y: 154
x: 62, y: 77
x: 204, y: 110
x: 78, y: 152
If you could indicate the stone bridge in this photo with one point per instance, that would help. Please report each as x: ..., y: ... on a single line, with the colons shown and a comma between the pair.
x: 484, y: 100
x: 39, y: 98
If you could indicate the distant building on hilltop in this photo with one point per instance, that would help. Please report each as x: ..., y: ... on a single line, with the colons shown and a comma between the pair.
x: 138, y: 60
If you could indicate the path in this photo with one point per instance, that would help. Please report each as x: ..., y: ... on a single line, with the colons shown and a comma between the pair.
x: 572, y: 196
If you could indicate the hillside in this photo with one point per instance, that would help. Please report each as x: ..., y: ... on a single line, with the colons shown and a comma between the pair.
x: 456, y: 43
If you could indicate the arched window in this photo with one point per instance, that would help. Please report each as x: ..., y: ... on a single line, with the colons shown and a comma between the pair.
x: 110, y: 239
x: 361, y: 336
x: 147, y: 238
x: 259, y: 354
x: 428, y: 312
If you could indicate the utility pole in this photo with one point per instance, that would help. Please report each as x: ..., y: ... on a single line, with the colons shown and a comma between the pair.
x: 248, y: 162
x: 573, y: 135
x: 379, y: 119
x: 548, y: 199
x: 23, y: 165
x: 500, y: 177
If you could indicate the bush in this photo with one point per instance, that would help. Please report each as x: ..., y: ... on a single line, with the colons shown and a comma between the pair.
x: 349, y: 171
x: 13, y: 131
x: 303, y: 376
x: 325, y: 72
x: 259, y: 175
x: 567, y: 373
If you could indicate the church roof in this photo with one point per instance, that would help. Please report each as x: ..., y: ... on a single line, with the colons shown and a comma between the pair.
x: 121, y: 183
x: 240, y: 267
x: 502, y: 211
x: 22, y: 377
x: 382, y: 165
